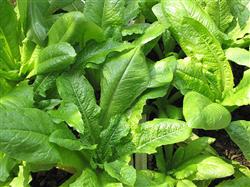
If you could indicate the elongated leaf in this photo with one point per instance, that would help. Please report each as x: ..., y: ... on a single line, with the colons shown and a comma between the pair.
x: 9, y: 28
x: 205, y: 50
x: 239, y: 131
x: 240, y: 95
x: 69, y: 113
x: 121, y: 171
x: 162, y: 72
x: 54, y: 58
x: 25, y: 135
x: 7, y: 164
x: 159, y: 132
x: 193, y: 149
x: 38, y: 26
x: 239, y: 56
x: 124, y: 78
x: 105, y: 12
x: 74, y: 27
x: 20, y: 96
x: 177, y: 10
x: 97, y: 53
x: 23, y: 178
x: 67, y: 140
x: 73, y: 87
x: 204, y: 114
x: 199, y: 168
x: 88, y: 178
x: 111, y: 137
x: 219, y: 11
x: 237, y: 182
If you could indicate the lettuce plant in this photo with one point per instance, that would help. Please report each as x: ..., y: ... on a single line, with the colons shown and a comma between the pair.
x: 92, y: 87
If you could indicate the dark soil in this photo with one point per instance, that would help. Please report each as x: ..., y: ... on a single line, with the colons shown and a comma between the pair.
x: 51, y: 178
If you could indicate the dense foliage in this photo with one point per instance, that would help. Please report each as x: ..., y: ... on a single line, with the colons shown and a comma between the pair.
x: 91, y: 87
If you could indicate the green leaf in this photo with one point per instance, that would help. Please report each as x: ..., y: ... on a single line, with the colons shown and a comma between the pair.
x: 240, y: 95
x: 7, y: 164
x: 121, y: 171
x: 191, y: 150
x: 149, y: 178
x: 185, y: 183
x: 112, y: 136
x: 69, y: 113
x: 105, y: 13
x: 23, y: 179
x: 38, y: 26
x: 237, y: 182
x: 43, y: 83
x: 153, y: 134
x: 204, y: 113
x: 178, y: 10
x: 124, y: 78
x: 96, y: 53
x: 20, y: 96
x: 88, y: 178
x: 9, y: 28
x: 238, y: 55
x: 137, y: 28
x: 162, y: 72
x: 73, y: 87
x: 198, y: 43
x: 54, y: 58
x: 239, y: 132
x: 66, y: 139
x: 25, y: 135
x: 200, y: 167
x: 151, y: 33
x: 74, y: 27
x: 6, y: 59
x: 219, y: 11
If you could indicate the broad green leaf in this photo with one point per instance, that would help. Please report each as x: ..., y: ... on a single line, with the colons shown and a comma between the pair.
x: 25, y: 135
x: 185, y: 183
x: 54, y: 58
x: 239, y: 132
x: 157, y: 10
x: 67, y: 140
x: 20, y: 96
x: 5, y: 86
x: 88, y: 178
x: 137, y: 28
x: 199, y: 168
x: 124, y: 78
x: 219, y: 11
x: 176, y: 11
x: 43, y: 83
x: 121, y: 171
x: 9, y: 28
x: 105, y: 13
x: 191, y: 150
x: 74, y: 27
x: 162, y: 72
x: 6, y: 59
x: 204, y: 113
x: 240, y: 95
x: 111, y: 136
x: 151, y: 33
x: 38, y: 26
x: 73, y: 87
x: 153, y: 134
x: 237, y: 182
x: 238, y: 55
x: 23, y: 179
x: 69, y: 113
x: 149, y: 178
x: 198, y: 43
x: 7, y: 164
x: 22, y: 12
x: 96, y: 53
